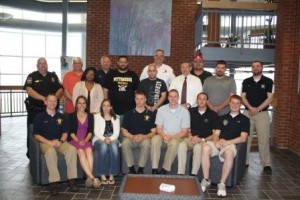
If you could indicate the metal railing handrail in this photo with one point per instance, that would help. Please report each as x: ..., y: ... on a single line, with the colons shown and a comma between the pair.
x: 12, y: 101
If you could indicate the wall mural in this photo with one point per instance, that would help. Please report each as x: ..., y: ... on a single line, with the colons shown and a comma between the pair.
x: 140, y: 27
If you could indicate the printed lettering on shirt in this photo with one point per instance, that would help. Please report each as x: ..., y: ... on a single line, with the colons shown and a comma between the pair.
x: 123, y: 79
x: 122, y: 82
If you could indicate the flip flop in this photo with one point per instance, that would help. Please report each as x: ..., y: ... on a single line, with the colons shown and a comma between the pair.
x: 104, y: 182
x: 111, y: 182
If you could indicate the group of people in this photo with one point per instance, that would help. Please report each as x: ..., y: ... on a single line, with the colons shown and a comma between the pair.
x: 108, y: 108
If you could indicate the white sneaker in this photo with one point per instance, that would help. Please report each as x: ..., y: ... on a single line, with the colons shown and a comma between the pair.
x: 204, y: 184
x: 221, y: 190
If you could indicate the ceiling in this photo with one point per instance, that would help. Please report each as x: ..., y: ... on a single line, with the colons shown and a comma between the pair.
x: 46, y: 6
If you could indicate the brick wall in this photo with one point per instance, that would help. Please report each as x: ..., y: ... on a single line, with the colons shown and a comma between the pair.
x: 286, y: 120
x: 287, y: 124
x: 182, y: 41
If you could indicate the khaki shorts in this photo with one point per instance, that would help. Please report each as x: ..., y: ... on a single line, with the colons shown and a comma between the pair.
x: 215, y: 151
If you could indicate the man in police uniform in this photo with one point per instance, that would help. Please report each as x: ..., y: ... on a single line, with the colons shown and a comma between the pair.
x: 138, y: 128
x: 257, y: 94
x: 38, y: 85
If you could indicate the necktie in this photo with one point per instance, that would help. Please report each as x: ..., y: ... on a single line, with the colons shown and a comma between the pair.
x: 183, y: 91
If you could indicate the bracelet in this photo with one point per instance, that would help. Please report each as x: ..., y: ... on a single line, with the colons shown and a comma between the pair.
x: 62, y: 141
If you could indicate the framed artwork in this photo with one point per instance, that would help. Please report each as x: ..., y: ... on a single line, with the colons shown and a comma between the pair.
x: 140, y: 27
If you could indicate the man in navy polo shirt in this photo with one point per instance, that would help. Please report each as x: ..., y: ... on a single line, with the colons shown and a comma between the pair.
x: 50, y: 130
x: 231, y: 129
x: 137, y: 128
x: 257, y: 94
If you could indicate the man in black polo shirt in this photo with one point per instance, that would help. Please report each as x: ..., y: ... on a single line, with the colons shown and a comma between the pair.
x: 137, y: 128
x: 203, y: 122
x: 50, y: 130
x: 231, y: 129
x: 38, y: 85
x: 257, y: 94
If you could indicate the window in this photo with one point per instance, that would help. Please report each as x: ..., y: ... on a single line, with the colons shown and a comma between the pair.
x: 20, y: 48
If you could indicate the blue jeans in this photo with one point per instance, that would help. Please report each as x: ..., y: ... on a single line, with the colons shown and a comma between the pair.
x: 108, y: 157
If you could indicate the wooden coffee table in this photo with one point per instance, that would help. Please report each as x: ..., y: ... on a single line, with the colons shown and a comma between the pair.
x: 141, y: 187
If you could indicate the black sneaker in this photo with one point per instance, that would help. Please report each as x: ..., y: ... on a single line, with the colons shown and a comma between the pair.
x: 53, y: 189
x: 140, y: 170
x: 163, y: 171
x: 73, y: 186
x: 268, y: 170
x: 155, y: 171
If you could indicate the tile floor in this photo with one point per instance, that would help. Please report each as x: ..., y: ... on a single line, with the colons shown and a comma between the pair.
x: 16, y: 183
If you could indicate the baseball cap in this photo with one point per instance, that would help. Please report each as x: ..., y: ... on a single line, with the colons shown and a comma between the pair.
x: 198, y: 56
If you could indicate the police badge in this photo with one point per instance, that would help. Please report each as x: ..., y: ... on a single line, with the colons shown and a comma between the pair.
x: 59, y: 121
x: 29, y: 80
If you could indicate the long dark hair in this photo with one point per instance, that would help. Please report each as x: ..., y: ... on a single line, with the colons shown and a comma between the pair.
x: 111, y: 112
x: 76, y: 102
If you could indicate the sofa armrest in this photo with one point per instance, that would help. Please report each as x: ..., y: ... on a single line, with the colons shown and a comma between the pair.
x: 35, y: 156
x: 240, y: 162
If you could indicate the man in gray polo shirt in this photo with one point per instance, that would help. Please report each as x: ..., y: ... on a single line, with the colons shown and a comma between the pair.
x: 172, y: 124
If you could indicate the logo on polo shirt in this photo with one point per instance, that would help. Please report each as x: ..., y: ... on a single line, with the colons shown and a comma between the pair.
x: 53, y: 79
x: 146, y: 117
x: 225, y: 122
x: 59, y: 121
x: 263, y: 86
x: 206, y: 120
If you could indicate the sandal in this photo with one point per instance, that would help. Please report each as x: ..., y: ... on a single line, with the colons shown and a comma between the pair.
x: 104, y: 182
x: 96, y: 183
x: 89, y: 182
x: 111, y: 182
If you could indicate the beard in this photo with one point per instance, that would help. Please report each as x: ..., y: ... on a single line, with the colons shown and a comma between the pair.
x: 220, y: 74
x: 256, y: 72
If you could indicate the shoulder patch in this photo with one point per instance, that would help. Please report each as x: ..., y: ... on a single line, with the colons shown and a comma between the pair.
x: 29, y: 80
